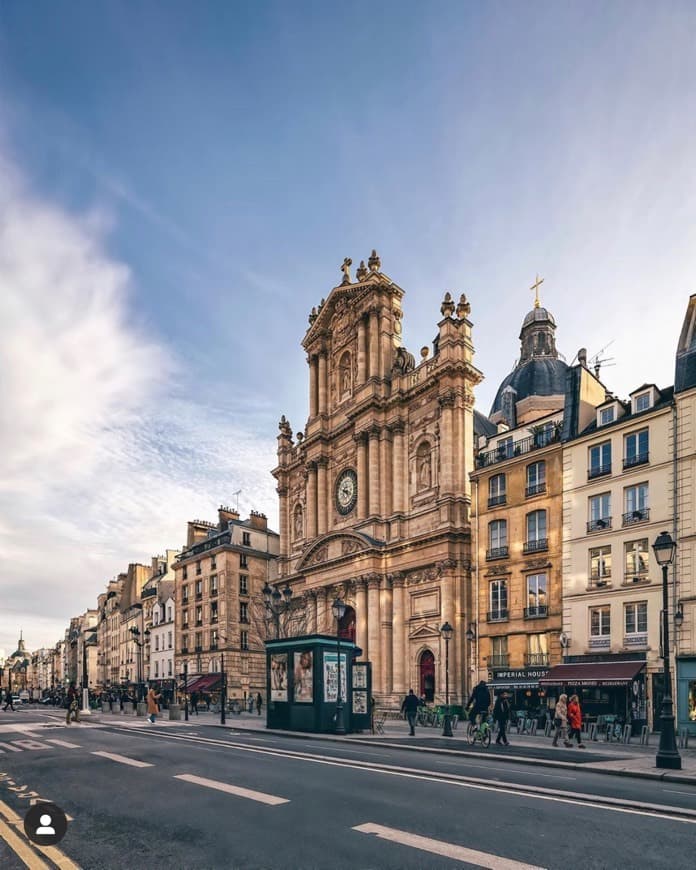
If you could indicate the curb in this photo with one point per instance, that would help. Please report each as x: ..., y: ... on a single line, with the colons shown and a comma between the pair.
x: 515, y: 759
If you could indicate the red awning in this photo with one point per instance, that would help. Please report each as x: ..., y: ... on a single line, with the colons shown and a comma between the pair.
x: 208, y: 683
x: 593, y: 674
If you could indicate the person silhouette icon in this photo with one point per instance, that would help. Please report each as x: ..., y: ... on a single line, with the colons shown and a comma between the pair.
x: 45, y: 829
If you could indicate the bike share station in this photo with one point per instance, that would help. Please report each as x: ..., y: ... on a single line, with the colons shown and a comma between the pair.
x: 314, y: 684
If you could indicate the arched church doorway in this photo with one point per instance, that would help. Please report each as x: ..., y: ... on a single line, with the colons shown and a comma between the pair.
x: 346, y: 627
x: 427, y: 676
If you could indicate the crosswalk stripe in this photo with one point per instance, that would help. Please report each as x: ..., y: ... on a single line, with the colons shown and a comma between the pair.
x: 440, y: 847
x: 63, y: 743
x: 261, y: 797
x: 122, y: 759
x: 30, y: 744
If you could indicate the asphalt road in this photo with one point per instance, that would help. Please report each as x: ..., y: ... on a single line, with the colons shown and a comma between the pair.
x: 211, y: 798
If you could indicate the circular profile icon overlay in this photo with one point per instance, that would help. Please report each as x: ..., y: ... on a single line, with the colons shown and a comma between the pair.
x: 45, y: 824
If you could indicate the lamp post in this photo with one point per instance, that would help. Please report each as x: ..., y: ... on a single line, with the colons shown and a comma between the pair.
x: 447, y: 631
x: 76, y: 634
x: 339, y: 608
x: 276, y: 603
x: 135, y: 631
x: 667, y: 753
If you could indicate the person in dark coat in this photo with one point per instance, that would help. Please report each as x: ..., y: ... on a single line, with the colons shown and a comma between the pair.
x: 479, y: 701
x: 73, y: 705
x: 501, y: 715
x: 194, y: 702
x: 410, y: 706
x: 259, y: 703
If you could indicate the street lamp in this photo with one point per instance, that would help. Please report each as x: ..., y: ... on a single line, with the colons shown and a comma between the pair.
x: 339, y: 608
x: 276, y: 603
x: 667, y: 753
x: 135, y: 631
x: 447, y: 631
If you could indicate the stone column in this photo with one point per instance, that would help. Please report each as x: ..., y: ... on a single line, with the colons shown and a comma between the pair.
x: 385, y: 637
x: 363, y: 480
x: 385, y: 495
x: 313, y: 387
x: 385, y: 343
x: 399, y: 471
x: 398, y: 629
x: 322, y: 625
x: 361, y: 616
x: 312, y: 609
x: 321, y: 496
x: 373, y: 366
x: 447, y: 569
x: 373, y: 471
x: 447, y: 446
x: 362, y: 352
x: 284, y: 529
x: 323, y: 387
x: 311, y: 500
x: 373, y: 627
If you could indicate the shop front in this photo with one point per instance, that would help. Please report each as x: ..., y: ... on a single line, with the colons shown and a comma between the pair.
x: 610, y: 691
x: 686, y: 694
x: 527, y: 698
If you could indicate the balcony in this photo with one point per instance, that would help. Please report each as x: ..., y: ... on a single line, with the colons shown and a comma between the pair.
x: 536, y: 489
x: 213, y: 646
x: 199, y: 595
x: 199, y: 622
x: 598, y: 471
x: 518, y: 448
x: 244, y: 620
x: 538, y: 612
x: 636, y: 641
x: 638, y: 459
x: 633, y: 578
x: 535, y: 546
x: 496, y: 500
x: 243, y: 590
x: 496, y: 553
x: 214, y: 592
x: 536, y: 660
x: 599, y: 581
x: 599, y: 643
x: 499, y: 661
x: 501, y: 615
x: 199, y: 570
x: 600, y: 525
x: 184, y: 650
x: 642, y: 515
x: 198, y: 649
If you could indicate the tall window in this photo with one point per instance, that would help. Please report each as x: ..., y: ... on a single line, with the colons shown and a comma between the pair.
x: 246, y: 539
x: 505, y: 447
x: 536, y: 478
x: 600, y: 459
x: 243, y: 612
x: 199, y: 588
x: 213, y: 563
x: 169, y: 667
x: 198, y: 567
x: 636, y: 448
x: 536, y: 531
x: 214, y: 611
x: 636, y: 503
x: 199, y: 615
x: 243, y: 584
x: 600, y: 512
x: 600, y: 621
x: 497, y: 538
x: 213, y: 638
x: 636, y: 617
x: 636, y: 559
x: 169, y: 613
x: 213, y: 585
x: 169, y: 640
x: 536, y: 596
x: 496, y: 490
x: 600, y: 565
x: 243, y: 560
x: 199, y: 641
x: 156, y: 669
x: 537, y: 650
x: 499, y: 652
x: 157, y: 642
x: 184, y: 594
x: 184, y: 642
x: 499, y: 600
x: 184, y: 573
x: 184, y: 617
x: 244, y: 639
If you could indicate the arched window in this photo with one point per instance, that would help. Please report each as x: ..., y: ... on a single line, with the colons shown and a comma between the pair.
x: 344, y: 375
x: 427, y: 675
x: 298, y: 523
x: 424, y: 471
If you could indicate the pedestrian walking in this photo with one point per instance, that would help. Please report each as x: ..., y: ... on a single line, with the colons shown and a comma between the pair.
x: 410, y: 706
x: 250, y: 704
x: 575, y: 721
x: 560, y: 721
x: 501, y: 715
x: 8, y: 701
x: 152, y: 705
x: 73, y: 706
x: 259, y: 703
x: 194, y: 702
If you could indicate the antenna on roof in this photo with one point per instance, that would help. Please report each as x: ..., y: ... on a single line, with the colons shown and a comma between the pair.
x: 597, y: 361
x: 236, y: 496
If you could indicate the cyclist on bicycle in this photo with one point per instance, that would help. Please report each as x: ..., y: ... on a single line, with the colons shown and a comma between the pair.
x: 479, y: 703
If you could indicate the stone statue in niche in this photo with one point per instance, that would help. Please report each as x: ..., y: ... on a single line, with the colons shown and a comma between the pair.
x: 298, y: 522
x: 344, y: 374
x: 424, y: 468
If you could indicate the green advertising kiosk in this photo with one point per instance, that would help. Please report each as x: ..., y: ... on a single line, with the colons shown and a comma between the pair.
x: 302, y: 675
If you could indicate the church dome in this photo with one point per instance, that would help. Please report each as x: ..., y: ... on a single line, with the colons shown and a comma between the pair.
x: 537, y: 315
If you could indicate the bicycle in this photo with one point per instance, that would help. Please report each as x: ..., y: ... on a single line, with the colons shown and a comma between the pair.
x: 479, y: 733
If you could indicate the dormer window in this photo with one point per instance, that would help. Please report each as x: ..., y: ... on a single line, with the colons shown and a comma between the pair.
x: 642, y: 401
x: 606, y: 415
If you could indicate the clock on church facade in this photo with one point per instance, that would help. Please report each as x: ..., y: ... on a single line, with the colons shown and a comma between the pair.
x: 375, y: 494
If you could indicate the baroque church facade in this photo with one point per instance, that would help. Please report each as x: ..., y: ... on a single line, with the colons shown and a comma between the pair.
x: 375, y: 494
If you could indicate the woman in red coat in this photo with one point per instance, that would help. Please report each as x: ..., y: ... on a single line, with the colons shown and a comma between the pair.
x: 575, y: 720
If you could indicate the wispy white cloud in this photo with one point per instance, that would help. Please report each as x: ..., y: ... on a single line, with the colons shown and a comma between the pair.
x: 103, y: 461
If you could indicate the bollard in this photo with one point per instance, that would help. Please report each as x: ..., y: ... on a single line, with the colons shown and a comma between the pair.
x: 610, y: 734
x: 626, y: 736
x: 592, y: 732
x: 644, y: 736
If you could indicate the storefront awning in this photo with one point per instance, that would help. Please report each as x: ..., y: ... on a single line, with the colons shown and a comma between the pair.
x: 593, y: 674
x: 208, y: 683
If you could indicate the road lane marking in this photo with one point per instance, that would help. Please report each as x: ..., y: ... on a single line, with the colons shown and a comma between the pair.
x: 122, y: 759
x: 59, y: 858
x: 30, y: 744
x: 6, y: 746
x: 671, y: 791
x: 448, y: 850
x: 20, y: 848
x: 261, y: 797
x: 62, y: 743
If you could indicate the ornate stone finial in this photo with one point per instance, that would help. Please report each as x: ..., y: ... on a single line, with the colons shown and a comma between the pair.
x: 313, y: 315
x: 284, y: 426
x: 300, y: 437
x: 345, y: 268
x: 463, y: 309
x: 447, y: 307
x: 321, y: 304
x: 374, y: 262
x: 361, y: 272
x: 425, y: 350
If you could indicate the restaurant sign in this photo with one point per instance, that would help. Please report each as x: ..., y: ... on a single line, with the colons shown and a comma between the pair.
x: 519, y: 676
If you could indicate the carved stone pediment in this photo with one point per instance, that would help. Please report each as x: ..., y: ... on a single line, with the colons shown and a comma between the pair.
x: 337, y: 545
x: 424, y: 631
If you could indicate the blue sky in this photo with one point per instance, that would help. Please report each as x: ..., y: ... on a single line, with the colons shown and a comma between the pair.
x: 180, y: 183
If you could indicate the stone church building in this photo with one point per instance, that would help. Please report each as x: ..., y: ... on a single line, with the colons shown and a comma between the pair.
x: 375, y: 493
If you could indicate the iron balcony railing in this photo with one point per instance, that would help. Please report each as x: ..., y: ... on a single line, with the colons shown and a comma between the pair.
x: 536, y: 489
x: 517, y: 448
x: 497, y: 553
x: 500, y: 615
x: 638, y: 459
x: 631, y: 577
x: 533, y: 660
x: 599, y: 525
x: 599, y: 581
x: 500, y: 661
x: 535, y: 546
x: 214, y: 591
x: 598, y: 470
x: 496, y: 500
x: 641, y: 515
x: 537, y: 612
